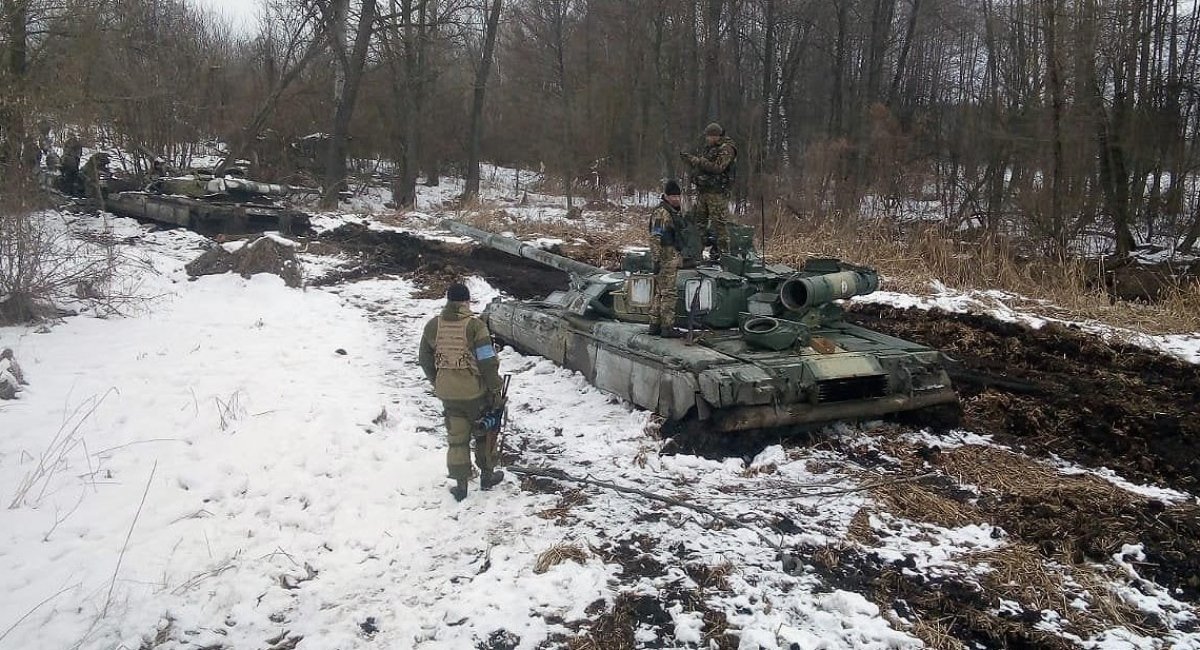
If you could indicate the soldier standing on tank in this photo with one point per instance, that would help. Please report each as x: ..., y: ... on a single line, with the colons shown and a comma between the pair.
x: 93, y: 173
x: 69, y: 180
x: 458, y: 357
x: 666, y: 238
x: 712, y: 173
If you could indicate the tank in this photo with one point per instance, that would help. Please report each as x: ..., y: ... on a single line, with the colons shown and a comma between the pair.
x: 213, y: 204
x: 766, y: 347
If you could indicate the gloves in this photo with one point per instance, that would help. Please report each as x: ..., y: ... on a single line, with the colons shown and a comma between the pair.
x: 491, y: 420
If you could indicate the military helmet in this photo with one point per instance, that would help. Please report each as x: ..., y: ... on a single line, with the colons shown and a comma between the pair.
x: 714, y: 129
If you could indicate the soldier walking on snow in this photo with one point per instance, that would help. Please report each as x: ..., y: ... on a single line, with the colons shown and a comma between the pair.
x: 712, y: 173
x: 458, y: 357
x: 666, y: 235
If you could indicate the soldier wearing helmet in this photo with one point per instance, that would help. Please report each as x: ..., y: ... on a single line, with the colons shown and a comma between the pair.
x: 458, y: 357
x: 94, y: 172
x: 712, y: 173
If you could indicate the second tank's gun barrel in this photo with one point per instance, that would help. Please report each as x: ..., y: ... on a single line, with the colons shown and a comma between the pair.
x: 521, y: 249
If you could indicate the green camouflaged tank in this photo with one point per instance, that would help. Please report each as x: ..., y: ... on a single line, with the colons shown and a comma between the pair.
x: 767, y: 345
x: 213, y: 204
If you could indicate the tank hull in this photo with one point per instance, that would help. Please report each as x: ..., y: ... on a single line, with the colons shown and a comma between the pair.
x: 847, y: 372
x: 206, y: 216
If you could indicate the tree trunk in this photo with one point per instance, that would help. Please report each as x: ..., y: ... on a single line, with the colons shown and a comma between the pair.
x: 13, y: 105
x: 474, y: 140
x: 768, y: 85
x: 902, y: 60
x: 1054, y: 82
x: 712, y: 54
x: 258, y: 121
x: 346, y: 94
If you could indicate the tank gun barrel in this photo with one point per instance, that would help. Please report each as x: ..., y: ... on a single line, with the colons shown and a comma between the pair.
x: 801, y: 293
x: 521, y: 249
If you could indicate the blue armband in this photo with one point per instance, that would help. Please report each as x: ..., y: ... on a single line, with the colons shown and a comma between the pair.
x: 484, y: 352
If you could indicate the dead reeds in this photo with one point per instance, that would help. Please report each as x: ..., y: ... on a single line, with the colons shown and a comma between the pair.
x: 557, y: 554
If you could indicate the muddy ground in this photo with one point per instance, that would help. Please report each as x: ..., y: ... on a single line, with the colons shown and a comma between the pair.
x: 1073, y: 395
x: 436, y: 265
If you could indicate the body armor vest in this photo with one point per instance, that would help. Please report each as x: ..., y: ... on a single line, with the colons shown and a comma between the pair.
x: 451, y: 350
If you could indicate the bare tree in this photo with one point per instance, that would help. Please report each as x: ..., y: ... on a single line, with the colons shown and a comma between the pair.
x: 479, y: 88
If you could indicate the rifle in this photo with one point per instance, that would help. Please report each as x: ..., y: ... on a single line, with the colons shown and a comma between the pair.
x: 496, y: 422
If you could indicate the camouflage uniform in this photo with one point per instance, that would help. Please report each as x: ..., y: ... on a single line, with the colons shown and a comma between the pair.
x: 70, y: 182
x: 666, y: 248
x: 712, y: 174
x: 457, y: 355
x: 92, y: 172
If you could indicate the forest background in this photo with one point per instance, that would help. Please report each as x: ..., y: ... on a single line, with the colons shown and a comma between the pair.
x: 1067, y: 125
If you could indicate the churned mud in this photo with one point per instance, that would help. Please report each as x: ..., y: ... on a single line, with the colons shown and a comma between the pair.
x: 435, y: 265
x: 1065, y: 392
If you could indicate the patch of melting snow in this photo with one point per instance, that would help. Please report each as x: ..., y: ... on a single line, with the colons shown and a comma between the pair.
x: 1165, y: 495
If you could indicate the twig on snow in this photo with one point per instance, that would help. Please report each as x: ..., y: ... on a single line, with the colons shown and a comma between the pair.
x: 128, y: 536
x: 36, y: 608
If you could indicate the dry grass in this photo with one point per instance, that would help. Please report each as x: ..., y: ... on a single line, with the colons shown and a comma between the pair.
x: 1004, y: 471
x: 1058, y: 521
x: 912, y: 256
x: 569, y: 499
x: 860, y: 528
x: 1020, y: 573
x: 918, y: 503
x: 557, y: 554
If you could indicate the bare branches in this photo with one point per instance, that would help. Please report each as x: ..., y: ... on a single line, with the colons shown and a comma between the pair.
x: 54, y: 458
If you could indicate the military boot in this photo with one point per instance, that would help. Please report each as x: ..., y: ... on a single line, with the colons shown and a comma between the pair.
x: 671, y: 333
x: 460, y: 490
x: 487, y: 480
x: 654, y: 330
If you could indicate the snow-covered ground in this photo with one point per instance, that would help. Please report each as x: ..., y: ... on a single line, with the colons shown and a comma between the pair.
x: 237, y: 464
